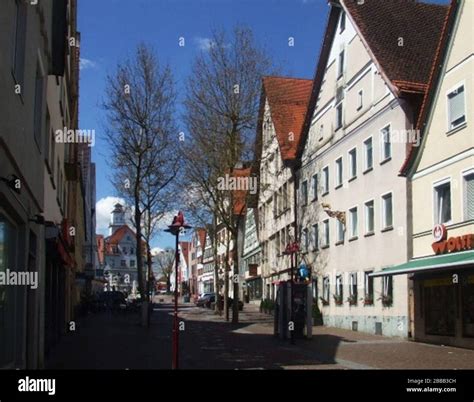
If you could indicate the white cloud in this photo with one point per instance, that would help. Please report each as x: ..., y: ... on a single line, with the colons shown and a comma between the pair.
x: 203, y: 43
x: 84, y: 64
x: 156, y: 250
x: 103, y: 209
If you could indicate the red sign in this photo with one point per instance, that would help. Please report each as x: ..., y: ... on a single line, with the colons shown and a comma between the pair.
x: 444, y: 245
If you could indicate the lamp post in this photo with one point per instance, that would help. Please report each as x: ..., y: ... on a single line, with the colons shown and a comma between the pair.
x: 175, y: 228
x: 291, y: 250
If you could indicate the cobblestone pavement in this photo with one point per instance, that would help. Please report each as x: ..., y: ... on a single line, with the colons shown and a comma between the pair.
x: 207, y: 341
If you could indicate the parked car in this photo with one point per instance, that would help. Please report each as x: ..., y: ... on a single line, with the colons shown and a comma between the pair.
x: 204, y: 300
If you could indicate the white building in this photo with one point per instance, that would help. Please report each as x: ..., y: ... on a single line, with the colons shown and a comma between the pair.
x: 283, y: 106
x: 368, y: 86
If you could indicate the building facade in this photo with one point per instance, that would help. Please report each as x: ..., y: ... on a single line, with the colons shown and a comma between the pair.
x: 352, y: 205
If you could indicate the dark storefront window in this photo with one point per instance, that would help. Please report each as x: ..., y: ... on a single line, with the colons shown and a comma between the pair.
x: 440, y: 306
x: 255, y: 289
x: 468, y: 306
x: 7, y: 295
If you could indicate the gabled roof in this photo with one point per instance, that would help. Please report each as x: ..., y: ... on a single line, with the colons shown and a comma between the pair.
x: 240, y: 195
x: 201, y: 233
x: 119, y: 234
x: 435, y: 76
x: 288, y: 100
x: 381, y: 24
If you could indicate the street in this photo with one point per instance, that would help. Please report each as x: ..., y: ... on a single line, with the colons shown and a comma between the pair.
x: 107, y: 341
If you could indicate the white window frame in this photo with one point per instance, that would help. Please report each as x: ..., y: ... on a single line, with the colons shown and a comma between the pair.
x: 366, y: 167
x: 339, y: 172
x: 448, y: 92
x: 434, y: 185
x: 366, y: 216
x: 354, y: 234
x: 464, y: 174
x: 383, y: 157
x: 350, y: 156
x: 382, y: 210
x: 326, y: 183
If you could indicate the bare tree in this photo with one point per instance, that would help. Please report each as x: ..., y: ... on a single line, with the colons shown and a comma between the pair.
x: 221, y: 104
x: 140, y: 101
x: 165, y: 264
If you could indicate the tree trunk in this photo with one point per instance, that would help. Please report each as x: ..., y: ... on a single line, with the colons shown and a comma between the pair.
x: 226, y: 283
x: 235, y: 282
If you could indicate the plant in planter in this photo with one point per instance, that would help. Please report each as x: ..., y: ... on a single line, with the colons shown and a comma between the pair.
x: 368, y: 300
x: 338, y: 300
x: 352, y: 300
x: 386, y: 300
x: 324, y: 301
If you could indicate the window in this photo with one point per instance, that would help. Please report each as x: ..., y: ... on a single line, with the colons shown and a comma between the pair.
x: 360, y: 99
x: 325, y: 233
x: 340, y: 70
x: 339, y: 112
x: 305, y: 240
x: 304, y: 193
x: 456, y: 108
x: 8, y: 294
x: 132, y: 263
x: 315, y: 288
x: 339, y: 290
x: 314, y: 185
x: 326, y: 180
x: 369, y: 217
x: 20, y: 42
x: 386, y: 144
x: 369, y: 154
x: 469, y: 196
x: 38, y: 110
x: 368, y: 288
x: 354, y: 222
x: 353, y: 288
x: 123, y: 263
x: 353, y: 163
x: 326, y: 289
x: 342, y: 24
x: 387, y: 290
x: 387, y: 211
x: 316, y: 236
x: 339, y: 231
x: 339, y: 170
x: 443, y: 202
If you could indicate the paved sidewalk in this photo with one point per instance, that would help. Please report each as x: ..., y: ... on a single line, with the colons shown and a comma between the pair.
x: 207, y: 341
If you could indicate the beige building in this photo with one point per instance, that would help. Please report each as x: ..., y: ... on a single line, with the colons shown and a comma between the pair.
x: 441, y: 172
x: 352, y: 210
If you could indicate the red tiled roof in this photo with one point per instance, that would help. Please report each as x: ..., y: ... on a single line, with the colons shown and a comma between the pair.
x: 240, y: 195
x: 202, y: 237
x: 119, y: 234
x: 288, y: 100
x: 384, y: 23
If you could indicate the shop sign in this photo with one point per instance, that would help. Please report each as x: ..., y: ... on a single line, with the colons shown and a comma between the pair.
x: 443, y: 244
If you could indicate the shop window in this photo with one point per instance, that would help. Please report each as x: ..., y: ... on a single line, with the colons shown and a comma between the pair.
x: 439, y: 306
x: 387, y: 290
x: 8, y: 305
x: 468, y: 306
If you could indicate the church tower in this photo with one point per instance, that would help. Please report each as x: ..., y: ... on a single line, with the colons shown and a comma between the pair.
x: 117, y: 219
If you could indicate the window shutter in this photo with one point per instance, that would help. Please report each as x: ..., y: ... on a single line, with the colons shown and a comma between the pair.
x: 469, y: 206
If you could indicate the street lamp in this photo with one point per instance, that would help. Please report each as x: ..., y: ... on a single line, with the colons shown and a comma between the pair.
x: 175, y: 229
x: 292, y: 249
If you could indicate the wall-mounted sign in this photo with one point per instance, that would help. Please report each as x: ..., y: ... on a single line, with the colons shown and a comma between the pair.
x: 443, y: 244
x: 440, y: 232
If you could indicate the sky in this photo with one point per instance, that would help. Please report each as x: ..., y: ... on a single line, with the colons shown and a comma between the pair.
x: 111, y: 29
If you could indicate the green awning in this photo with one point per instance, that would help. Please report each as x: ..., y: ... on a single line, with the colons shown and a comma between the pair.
x: 451, y: 260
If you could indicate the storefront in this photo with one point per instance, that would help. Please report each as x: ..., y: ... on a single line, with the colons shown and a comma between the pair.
x: 443, y: 290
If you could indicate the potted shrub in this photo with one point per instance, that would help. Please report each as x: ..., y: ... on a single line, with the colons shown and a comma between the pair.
x: 338, y: 299
x: 368, y: 300
x: 352, y: 300
x: 386, y: 300
x: 324, y: 301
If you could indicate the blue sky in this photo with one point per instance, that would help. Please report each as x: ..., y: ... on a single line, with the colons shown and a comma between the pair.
x: 111, y: 29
